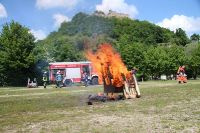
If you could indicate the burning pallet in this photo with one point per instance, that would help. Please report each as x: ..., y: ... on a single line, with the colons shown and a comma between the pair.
x: 113, y: 73
x: 129, y: 86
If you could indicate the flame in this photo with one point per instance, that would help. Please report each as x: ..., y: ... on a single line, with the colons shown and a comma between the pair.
x: 108, y: 63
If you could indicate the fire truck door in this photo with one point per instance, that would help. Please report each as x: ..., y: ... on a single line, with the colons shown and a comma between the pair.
x: 73, y: 73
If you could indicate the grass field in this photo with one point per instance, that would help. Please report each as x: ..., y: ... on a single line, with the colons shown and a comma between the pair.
x: 165, y: 106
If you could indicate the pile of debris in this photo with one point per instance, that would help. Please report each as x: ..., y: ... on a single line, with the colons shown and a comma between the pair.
x: 101, y: 97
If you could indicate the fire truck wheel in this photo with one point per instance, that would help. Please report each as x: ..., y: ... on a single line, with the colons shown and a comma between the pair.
x: 68, y: 82
x: 95, y: 81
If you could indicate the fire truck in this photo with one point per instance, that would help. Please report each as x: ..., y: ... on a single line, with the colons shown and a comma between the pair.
x: 72, y: 72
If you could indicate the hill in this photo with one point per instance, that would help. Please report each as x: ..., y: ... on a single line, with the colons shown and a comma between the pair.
x: 152, y: 49
x: 90, y: 30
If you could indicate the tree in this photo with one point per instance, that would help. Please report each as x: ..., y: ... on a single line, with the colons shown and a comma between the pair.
x: 140, y: 31
x: 181, y: 37
x: 16, y: 57
x: 86, y: 25
x: 195, y: 37
x: 176, y: 58
x: 156, y: 60
x: 193, y: 59
x: 133, y: 55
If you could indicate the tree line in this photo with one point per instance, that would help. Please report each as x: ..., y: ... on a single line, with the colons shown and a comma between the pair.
x: 146, y: 46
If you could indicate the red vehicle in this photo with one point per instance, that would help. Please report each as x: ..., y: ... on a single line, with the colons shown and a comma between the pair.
x: 72, y: 72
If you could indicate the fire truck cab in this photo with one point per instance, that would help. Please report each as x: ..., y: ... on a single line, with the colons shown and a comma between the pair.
x: 72, y: 72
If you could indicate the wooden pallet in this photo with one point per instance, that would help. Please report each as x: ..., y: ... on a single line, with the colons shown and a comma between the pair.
x: 131, y: 88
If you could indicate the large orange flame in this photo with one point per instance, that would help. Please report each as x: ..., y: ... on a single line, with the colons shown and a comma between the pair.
x: 107, y: 62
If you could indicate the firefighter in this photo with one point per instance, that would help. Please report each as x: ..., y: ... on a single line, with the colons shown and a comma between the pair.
x: 181, y: 76
x: 58, y: 79
x: 44, y: 79
x: 85, y: 77
x: 134, y: 70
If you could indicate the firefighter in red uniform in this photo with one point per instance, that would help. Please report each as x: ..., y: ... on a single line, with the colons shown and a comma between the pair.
x: 181, y: 76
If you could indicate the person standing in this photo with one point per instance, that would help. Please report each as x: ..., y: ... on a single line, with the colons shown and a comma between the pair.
x: 134, y: 70
x: 85, y: 76
x: 58, y: 79
x: 181, y: 76
x: 44, y: 79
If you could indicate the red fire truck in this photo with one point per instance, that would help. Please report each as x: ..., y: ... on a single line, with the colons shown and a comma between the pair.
x: 72, y: 72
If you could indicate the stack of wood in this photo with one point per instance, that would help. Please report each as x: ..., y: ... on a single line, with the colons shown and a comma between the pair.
x: 131, y: 88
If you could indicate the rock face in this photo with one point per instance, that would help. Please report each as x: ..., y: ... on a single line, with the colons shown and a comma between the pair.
x: 116, y: 14
x: 111, y: 14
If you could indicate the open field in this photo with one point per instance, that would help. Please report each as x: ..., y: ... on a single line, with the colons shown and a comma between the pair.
x: 165, y: 106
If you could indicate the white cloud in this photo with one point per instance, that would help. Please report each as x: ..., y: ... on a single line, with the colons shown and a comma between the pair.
x: 189, y: 24
x: 3, y: 12
x: 46, y: 4
x: 118, y: 6
x: 39, y: 34
x: 59, y: 18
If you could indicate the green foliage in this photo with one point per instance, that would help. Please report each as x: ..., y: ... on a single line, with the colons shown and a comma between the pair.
x: 16, y: 57
x: 133, y: 55
x: 140, y: 31
x: 176, y: 57
x: 181, y: 37
x: 57, y: 48
x: 156, y: 60
x: 195, y: 37
x: 86, y: 25
x: 153, y: 60
x: 193, y: 62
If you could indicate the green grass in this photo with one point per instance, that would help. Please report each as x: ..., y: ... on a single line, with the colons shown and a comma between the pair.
x: 165, y: 106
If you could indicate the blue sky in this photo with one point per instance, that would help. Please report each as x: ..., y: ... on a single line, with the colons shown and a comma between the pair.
x: 45, y: 16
